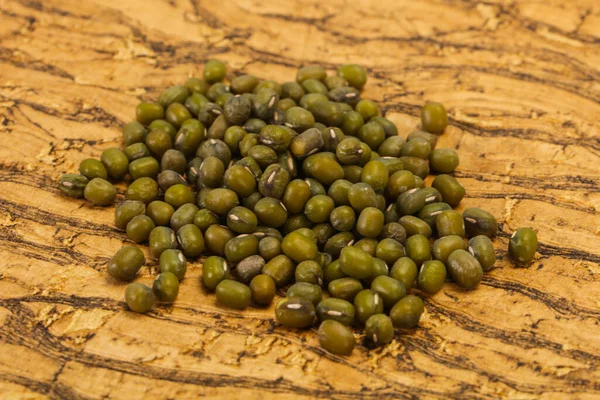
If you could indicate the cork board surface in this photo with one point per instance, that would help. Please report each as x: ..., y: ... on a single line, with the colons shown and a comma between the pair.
x: 520, y: 79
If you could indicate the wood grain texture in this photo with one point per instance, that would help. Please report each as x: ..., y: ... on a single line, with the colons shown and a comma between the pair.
x: 521, y: 81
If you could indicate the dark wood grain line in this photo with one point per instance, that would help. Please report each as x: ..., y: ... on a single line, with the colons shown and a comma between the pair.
x: 523, y: 339
x: 63, y: 256
x: 53, y: 389
x: 6, y: 56
x: 573, y: 183
x: 40, y: 7
x: 34, y: 214
x: 430, y: 348
x: 88, y: 115
x: 553, y: 200
x: 559, y: 304
x: 31, y: 384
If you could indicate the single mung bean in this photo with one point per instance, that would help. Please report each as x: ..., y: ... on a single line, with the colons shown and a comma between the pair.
x: 216, y: 237
x: 158, y: 142
x: 298, y: 247
x: 214, y: 270
x: 73, y: 185
x: 389, y: 250
x: 116, y: 163
x: 451, y: 190
x: 415, y: 226
x: 136, y: 151
x: 309, y: 271
x: 336, y: 309
x: 221, y: 201
x: 434, y: 118
x: 370, y: 222
x: 262, y: 289
x: 144, y: 167
x: 211, y: 172
x: 161, y: 238
x: 214, y: 71
x: 482, y: 249
x: 100, y: 192
x: 166, y: 287
x: 145, y: 113
x: 419, y: 148
x: 464, y: 269
x: 523, y: 245
x: 356, y: 263
x: 139, y: 228
x: 139, y: 297
x: 379, y: 329
x: 407, y: 312
x: 173, y: 261
x: 344, y: 288
x: 323, y: 167
x: 281, y: 269
x: 274, y: 181
x: 400, y: 182
x: 126, y: 262
x: 479, y: 222
x: 336, y: 338
x: 295, y: 196
x: 418, y: 248
x: 249, y: 267
x: 191, y: 240
x: 92, y: 168
x: 355, y: 74
x: 405, y: 270
x: 432, y: 276
x: 160, y: 212
x: 389, y: 289
x: 233, y: 294
x: 178, y: 195
x: 450, y: 222
x: 295, y: 312
x: 241, y: 220
x: 367, y: 303
x: 133, y: 132
x: 391, y: 147
x: 306, y: 290
x: 240, y: 247
x: 446, y: 245
x: 443, y: 161
x: 270, y: 212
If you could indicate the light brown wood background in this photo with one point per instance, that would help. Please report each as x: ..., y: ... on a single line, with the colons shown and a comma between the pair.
x: 521, y: 81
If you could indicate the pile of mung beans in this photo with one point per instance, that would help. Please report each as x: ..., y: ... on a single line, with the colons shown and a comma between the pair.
x: 301, y: 186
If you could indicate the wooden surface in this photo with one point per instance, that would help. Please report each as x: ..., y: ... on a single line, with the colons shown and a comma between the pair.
x: 520, y: 79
